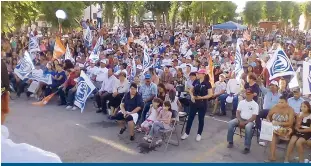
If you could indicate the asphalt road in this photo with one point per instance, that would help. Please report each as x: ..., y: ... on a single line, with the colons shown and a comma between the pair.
x: 91, y: 137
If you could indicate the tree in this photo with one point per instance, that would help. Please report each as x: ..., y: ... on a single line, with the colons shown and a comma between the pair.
x: 138, y: 10
x: 185, y: 13
x: 173, y: 13
x: 272, y: 10
x: 286, y: 12
x: 307, y: 13
x: 124, y: 8
x: 253, y: 12
x: 109, y: 13
x: 295, y: 14
x: 73, y: 10
x: 158, y: 8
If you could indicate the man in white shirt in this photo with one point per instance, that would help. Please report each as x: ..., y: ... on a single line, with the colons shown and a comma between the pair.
x: 246, y: 114
x: 102, y: 71
x: 99, y: 16
x: 123, y: 67
x: 105, y: 91
x: 232, y: 96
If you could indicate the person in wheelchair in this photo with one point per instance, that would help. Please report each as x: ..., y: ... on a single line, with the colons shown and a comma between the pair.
x: 131, y: 104
x: 245, y: 118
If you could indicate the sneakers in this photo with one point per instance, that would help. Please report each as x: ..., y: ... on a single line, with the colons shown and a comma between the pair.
x: 122, y: 130
x: 158, y: 142
x: 245, y: 151
x: 74, y: 108
x: 32, y: 95
x: 68, y: 107
x: 185, y: 136
x: 230, y: 145
x: 198, y: 138
x: 262, y: 144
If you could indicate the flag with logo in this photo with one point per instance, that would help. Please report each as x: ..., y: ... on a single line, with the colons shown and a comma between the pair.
x: 238, y: 61
x: 24, y: 66
x: 45, y: 78
x: 306, y: 80
x: 95, y: 53
x: 68, y: 54
x: 279, y: 65
x: 294, y: 82
x: 59, y: 49
x: 84, y: 90
x: 133, y: 70
x: 33, y: 45
x: 88, y: 37
x: 147, y: 60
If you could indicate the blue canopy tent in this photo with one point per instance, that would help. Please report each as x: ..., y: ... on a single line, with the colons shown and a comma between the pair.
x: 230, y: 25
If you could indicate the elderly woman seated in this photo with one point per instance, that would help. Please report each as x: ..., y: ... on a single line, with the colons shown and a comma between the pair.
x: 302, y: 132
x: 282, y: 117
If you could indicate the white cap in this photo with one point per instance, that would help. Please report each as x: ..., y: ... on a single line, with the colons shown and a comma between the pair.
x: 103, y: 61
x: 274, y: 83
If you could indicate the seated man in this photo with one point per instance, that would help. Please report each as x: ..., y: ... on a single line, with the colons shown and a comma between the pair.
x: 220, y: 88
x: 245, y: 116
x: 105, y: 92
x: 233, y: 90
x: 131, y: 104
x: 296, y: 101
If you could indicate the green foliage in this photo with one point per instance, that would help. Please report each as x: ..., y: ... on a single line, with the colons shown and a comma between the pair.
x: 307, y: 8
x: 253, y: 12
x: 286, y: 10
x: 296, y: 14
x: 185, y: 13
x: 158, y: 6
x: 272, y: 10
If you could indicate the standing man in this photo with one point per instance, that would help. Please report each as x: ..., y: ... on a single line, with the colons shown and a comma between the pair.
x: 99, y: 18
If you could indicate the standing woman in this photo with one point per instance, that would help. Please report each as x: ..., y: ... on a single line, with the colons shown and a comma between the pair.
x: 200, y: 93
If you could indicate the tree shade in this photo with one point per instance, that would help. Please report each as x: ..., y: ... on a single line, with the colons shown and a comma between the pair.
x: 230, y: 25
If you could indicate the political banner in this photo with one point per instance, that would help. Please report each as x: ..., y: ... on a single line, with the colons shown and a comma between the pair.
x: 59, y: 49
x: 147, y: 59
x: 238, y: 61
x: 294, y: 82
x: 88, y: 37
x: 33, y: 45
x: 96, y: 50
x: 45, y: 78
x: 279, y: 65
x: 84, y: 90
x: 306, y: 80
x: 68, y: 55
x: 24, y: 66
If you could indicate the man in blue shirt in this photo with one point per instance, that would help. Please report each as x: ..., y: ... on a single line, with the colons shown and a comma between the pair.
x: 295, y: 102
x: 148, y: 91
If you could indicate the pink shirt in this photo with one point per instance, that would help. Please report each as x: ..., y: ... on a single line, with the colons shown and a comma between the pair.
x: 165, y: 115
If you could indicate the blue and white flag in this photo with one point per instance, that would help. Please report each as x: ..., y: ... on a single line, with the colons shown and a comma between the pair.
x: 33, y: 45
x: 147, y: 60
x: 306, y: 80
x: 123, y: 40
x: 279, y: 65
x: 84, y: 89
x: 133, y: 70
x: 96, y: 50
x: 238, y: 61
x: 155, y: 50
x: 24, y: 66
x: 68, y: 55
x: 88, y: 37
x: 45, y: 78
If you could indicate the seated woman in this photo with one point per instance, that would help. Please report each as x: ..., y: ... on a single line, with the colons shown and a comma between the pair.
x: 153, y: 114
x: 302, y: 132
x: 220, y: 88
x: 67, y: 85
x: 163, y: 122
x: 131, y: 104
x: 120, y: 88
x: 282, y: 116
x: 161, y: 91
x: 57, y: 80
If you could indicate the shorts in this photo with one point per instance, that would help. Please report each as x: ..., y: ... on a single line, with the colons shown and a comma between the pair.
x: 120, y: 116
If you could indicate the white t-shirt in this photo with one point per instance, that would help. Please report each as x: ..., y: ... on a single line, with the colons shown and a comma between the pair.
x: 153, y: 115
x: 119, y: 71
x: 37, y: 73
x: 220, y: 86
x: 91, y: 70
x: 248, y: 109
x: 216, y: 38
x: 101, y: 74
x: 121, y: 88
x: 99, y: 13
x: 166, y: 62
x: 233, y: 86
x: 23, y: 153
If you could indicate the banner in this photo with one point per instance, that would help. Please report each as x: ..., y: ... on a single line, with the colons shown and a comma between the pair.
x: 133, y: 70
x: 294, y: 82
x: 24, y: 66
x: 68, y: 55
x: 45, y: 78
x: 147, y: 60
x: 84, y: 89
x: 279, y: 65
x: 306, y: 80
x: 238, y: 61
x: 88, y: 37
x: 266, y: 132
x: 59, y: 49
x: 33, y: 45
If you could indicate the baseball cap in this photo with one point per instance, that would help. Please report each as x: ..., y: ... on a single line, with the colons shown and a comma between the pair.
x: 297, y: 90
x: 103, y: 61
x: 249, y: 91
x: 147, y: 76
x: 274, y: 83
x: 202, y: 71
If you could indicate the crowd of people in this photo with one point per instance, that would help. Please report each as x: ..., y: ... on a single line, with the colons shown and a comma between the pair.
x: 189, y: 71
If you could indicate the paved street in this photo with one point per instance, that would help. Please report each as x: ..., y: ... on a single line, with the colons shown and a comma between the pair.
x: 90, y: 137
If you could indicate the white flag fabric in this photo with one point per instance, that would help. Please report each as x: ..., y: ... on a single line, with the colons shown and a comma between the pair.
x: 306, y: 80
x: 266, y: 132
x: 33, y: 45
x: 238, y: 61
x: 84, y: 89
x: 45, y: 78
x: 95, y: 52
x: 88, y: 37
x: 147, y: 60
x: 24, y: 66
x: 133, y: 70
x: 68, y: 54
x: 294, y: 82
x: 279, y: 65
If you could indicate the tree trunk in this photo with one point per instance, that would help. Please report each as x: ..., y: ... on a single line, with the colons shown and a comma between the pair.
x: 194, y: 23
x: 187, y: 24
x: 127, y: 16
x: 157, y: 25
x: 167, y: 20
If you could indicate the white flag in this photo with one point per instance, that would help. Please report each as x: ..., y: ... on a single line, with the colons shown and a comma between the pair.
x: 238, y: 61
x: 24, y: 66
x: 279, y: 65
x: 96, y: 50
x: 33, y: 45
x: 88, y: 37
x: 68, y: 54
x: 84, y: 89
x: 306, y: 80
x: 294, y: 82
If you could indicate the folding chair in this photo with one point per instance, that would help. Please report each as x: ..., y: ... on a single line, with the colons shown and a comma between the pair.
x: 184, y: 116
x: 242, y: 132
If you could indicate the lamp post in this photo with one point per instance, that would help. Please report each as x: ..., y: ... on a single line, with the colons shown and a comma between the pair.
x: 61, y: 15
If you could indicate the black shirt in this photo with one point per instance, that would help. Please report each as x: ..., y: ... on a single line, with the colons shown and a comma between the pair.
x: 255, y: 88
x: 131, y: 103
x: 201, y: 89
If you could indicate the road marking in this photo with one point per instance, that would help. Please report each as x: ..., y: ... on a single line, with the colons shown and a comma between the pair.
x: 219, y: 120
x: 115, y: 145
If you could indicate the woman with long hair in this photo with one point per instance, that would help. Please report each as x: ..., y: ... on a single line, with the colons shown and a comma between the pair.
x: 161, y: 91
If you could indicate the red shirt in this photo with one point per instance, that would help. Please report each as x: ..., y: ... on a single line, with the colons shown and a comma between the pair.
x: 70, y: 81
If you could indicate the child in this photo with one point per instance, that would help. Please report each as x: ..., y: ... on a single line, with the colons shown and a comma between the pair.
x: 163, y: 121
x: 153, y: 114
x: 174, y: 101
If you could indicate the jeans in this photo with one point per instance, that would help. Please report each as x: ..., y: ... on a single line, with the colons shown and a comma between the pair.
x: 62, y: 94
x: 248, y: 132
x: 262, y: 115
x: 145, y: 111
x: 115, y: 101
x: 235, y: 102
x: 99, y: 23
x: 199, y: 107
x: 71, y: 97
x: 156, y: 128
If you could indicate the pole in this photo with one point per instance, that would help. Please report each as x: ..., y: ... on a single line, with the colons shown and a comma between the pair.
x: 90, y: 11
